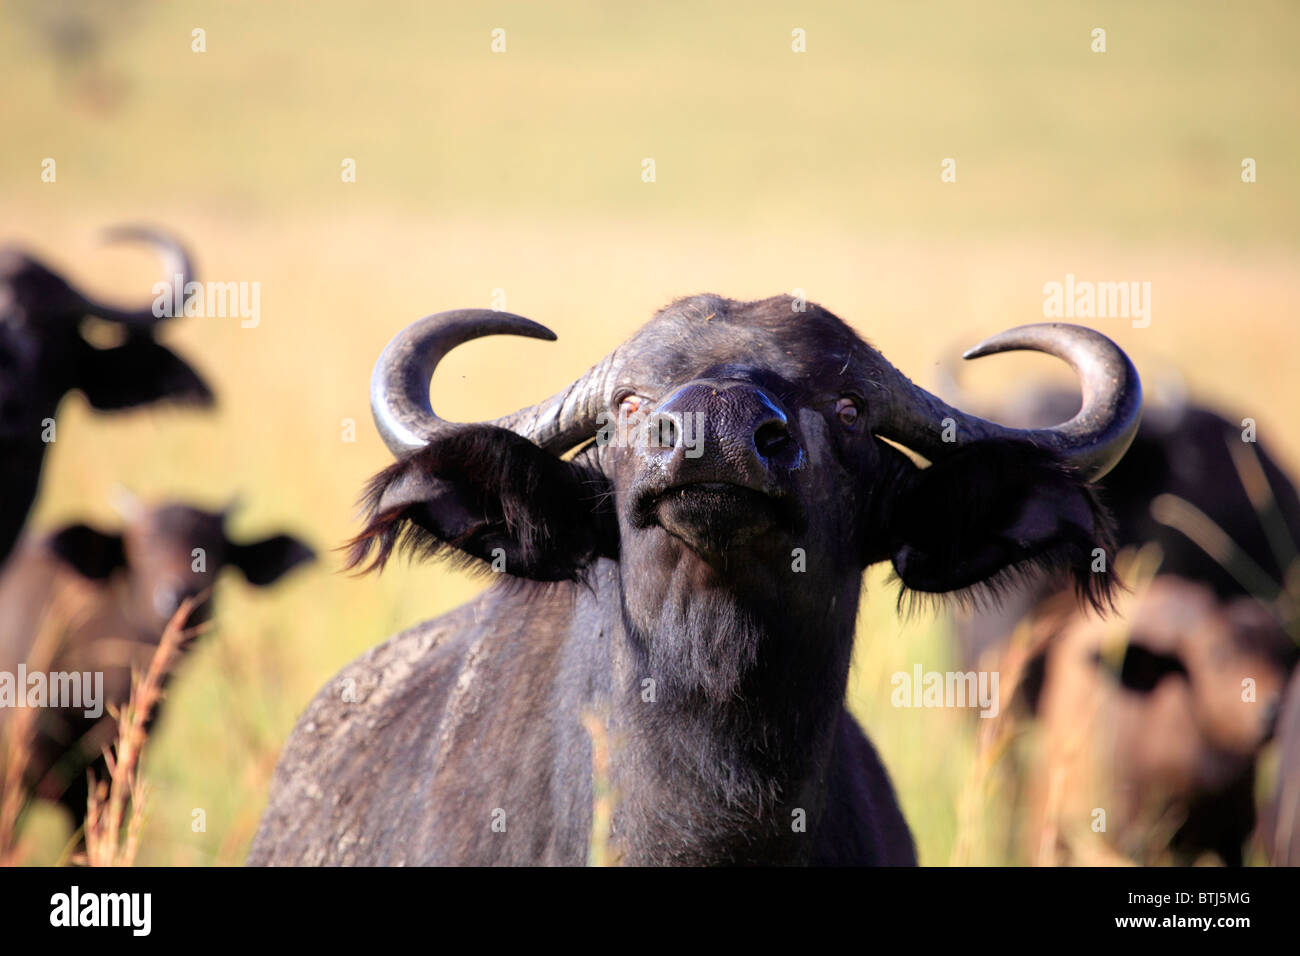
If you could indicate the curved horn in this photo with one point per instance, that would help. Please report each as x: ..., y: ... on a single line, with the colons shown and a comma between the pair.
x: 1093, y: 441
x: 175, y: 263
x: 399, y: 385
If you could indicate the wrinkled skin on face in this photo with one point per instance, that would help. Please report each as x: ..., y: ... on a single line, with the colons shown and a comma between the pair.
x: 711, y: 542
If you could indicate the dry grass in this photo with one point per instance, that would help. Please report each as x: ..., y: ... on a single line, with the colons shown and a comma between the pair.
x: 116, y: 808
x: 1043, y: 776
x: 17, y: 733
x: 604, y: 798
x: 16, y: 752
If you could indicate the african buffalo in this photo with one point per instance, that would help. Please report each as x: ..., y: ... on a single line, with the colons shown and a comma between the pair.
x: 89, y: 602
x: 43, y: 356
x: 1225, y: 518
x: 1157, y: 718
x: 687, y: 582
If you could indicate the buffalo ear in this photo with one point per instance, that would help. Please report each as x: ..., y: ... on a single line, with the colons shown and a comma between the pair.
x: 138, y: 372
x: 489, y: 494
x: 995, y: 509
x: 265, y: 562
x: 92, y: 553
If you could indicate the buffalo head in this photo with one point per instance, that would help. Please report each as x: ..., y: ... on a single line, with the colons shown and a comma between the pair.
x: 728, y: 446
x: 169, y: 552
x: 44, y: 354
x: 82, y: 599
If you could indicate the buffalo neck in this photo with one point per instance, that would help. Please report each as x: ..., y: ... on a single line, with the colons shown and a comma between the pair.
x: 725, y: 760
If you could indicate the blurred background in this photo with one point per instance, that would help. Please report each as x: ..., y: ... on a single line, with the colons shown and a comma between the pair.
x: 518, y: 179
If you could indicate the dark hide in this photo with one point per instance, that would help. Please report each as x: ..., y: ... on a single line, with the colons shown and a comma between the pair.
x: 479, y: 490
x: 1024, y: 508
x: 663, y: 598
x: 1172, y: 704
x: 43, y: 356
x: 1186, y: 452
x: 102, y: 600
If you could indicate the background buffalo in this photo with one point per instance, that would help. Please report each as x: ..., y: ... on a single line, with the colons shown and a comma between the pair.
x: 519, y: 180
x: 86, y: 600
x: 44, y: 354
x: 1157, y: 715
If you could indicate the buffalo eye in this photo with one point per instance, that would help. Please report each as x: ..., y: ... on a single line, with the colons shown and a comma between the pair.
x: 846, y: 410
x: 631, y: 405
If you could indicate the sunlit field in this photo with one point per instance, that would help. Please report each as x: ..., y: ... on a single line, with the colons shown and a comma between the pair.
x: 517, y: 178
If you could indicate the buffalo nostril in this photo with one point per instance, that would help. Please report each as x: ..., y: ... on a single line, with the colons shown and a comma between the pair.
x: 772, y: 438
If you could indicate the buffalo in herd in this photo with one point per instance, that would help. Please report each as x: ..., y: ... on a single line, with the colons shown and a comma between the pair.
x: 44, y: 354
x: 90, y: 605
x: 677, y: 542
x: 100, y: 601
x: 1179, y: 700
